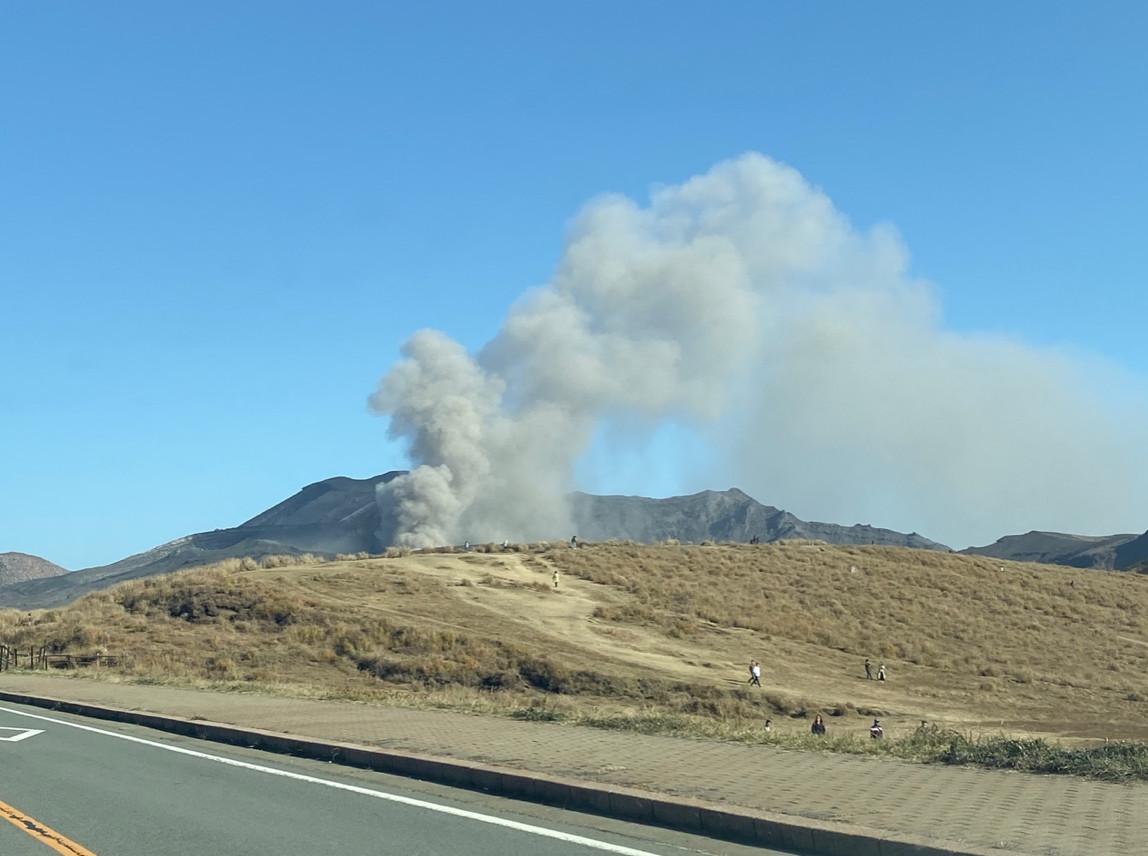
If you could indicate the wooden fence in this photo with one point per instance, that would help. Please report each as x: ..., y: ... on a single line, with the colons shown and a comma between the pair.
x: 38, y: 658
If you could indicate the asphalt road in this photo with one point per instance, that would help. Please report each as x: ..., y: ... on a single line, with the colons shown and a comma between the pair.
x: 83, y: 787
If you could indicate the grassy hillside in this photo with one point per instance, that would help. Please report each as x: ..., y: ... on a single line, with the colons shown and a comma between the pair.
x: 986, y: 639
x: 653, y: 637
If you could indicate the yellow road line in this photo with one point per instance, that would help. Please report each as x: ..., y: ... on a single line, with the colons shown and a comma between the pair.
x: 44, y: 834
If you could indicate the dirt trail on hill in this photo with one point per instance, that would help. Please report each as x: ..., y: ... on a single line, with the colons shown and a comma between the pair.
x: 521, y: 593
x: 515, y: 595
x: 516, y: 592
x: 509, y: 596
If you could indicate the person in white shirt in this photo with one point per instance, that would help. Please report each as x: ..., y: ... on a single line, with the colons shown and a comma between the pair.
x: 755, y: 674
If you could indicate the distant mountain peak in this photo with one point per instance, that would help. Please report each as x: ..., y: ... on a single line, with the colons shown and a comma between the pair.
x: 729, y: 515
x: 1105, y: 552
x: 20, y: 567
x: 323, y: 501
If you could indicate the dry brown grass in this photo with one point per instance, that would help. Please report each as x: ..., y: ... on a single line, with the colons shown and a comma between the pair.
x: 652, y: 635
x: 951, y: 613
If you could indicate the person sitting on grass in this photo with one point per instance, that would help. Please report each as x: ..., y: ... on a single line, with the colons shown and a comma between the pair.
x: 818, y: 726
x: 875, y: 730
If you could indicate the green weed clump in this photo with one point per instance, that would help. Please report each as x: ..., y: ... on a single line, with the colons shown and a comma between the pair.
x: 536, y: 713
x: 1115, y: 762
x: 1122, y: 761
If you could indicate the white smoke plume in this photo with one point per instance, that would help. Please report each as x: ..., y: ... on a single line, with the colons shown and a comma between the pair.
x: 743, y: 304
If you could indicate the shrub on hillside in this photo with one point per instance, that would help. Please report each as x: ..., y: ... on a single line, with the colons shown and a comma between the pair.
x: 198, y: 601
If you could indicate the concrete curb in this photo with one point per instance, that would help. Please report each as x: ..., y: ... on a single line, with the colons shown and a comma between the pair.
x: 744, y: 826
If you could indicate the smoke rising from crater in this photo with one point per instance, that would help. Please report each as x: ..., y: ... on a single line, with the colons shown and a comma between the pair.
x: 741, y: 303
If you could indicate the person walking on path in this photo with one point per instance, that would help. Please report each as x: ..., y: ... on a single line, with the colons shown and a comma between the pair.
x: 755, y: 673
x: 881, y: 672
x: 868, y: 670
x: 818, y: 726
x: 555, y: 578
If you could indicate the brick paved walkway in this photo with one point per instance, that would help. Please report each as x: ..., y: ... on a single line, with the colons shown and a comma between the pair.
x: 1016, y: 812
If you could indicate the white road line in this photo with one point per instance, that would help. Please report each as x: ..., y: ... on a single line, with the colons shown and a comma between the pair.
x: 23, y: 734
x: 355, y: 789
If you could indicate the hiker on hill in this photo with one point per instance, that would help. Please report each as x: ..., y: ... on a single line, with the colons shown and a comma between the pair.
x: 818, y: 726
x: 754, y: 673
x: 555, y: 578
x: 876, y: 732
x: 868, y: 670
x: 881, y: 672
x: 574, y: 542
x: 768, y: 726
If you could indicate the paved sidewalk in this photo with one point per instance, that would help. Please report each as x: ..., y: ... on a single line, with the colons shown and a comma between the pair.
x: 1015, y: 812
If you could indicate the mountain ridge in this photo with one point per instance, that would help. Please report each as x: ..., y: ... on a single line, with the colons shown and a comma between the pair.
x: 733, y: 516
x: 1103, y: 552
x: 341, y: 515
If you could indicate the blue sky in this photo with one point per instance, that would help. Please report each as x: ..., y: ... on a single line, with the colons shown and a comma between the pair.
x: 218, y: 222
